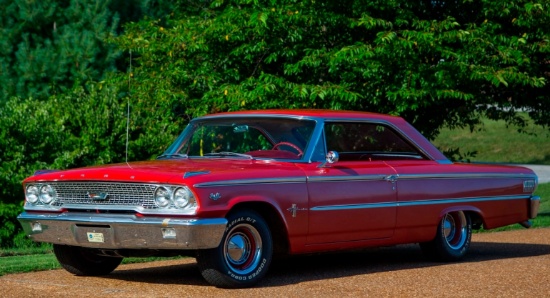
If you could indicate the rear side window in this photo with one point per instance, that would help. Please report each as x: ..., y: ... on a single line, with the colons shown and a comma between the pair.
x: 367, y: 141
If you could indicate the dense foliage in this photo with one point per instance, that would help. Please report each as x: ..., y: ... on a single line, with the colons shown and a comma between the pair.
x: 48, y: 46
x: 68, y: 69
x: 434, y: 62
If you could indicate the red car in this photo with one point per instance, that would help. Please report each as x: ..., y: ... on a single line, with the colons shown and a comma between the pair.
x: 237, y: 188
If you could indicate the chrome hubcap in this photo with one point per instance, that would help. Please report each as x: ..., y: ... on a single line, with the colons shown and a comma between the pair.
x: 455, y: 229
x: 243, y: 249
x: 238, y: 249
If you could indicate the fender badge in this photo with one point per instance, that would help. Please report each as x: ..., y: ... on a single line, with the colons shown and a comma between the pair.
x: 102, y: 196
x: 215, y: 196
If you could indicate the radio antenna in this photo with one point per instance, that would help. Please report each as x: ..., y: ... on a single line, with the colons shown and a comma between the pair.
x: 128, y: 112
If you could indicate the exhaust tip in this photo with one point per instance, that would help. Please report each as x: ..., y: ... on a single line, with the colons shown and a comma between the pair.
x: 526, y: 224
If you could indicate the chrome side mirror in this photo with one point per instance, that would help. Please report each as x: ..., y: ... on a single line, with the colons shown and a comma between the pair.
x: 330, y: 158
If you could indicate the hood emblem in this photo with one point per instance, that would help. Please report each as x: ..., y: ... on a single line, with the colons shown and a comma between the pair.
x: 215, y: 196
x: 102, y: 196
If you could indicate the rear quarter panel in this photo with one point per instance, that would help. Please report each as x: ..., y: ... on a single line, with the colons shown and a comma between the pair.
x: 427, y: 190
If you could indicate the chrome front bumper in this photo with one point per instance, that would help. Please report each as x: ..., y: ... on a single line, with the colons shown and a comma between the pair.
x: 119, y: 231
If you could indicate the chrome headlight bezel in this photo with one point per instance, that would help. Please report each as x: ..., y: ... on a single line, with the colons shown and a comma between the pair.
x: 32, y: 193
x: 163, y: 197
x: 47, y: 194
x: 184, y: 198
x: 40, y: 195
x: 175, y: 198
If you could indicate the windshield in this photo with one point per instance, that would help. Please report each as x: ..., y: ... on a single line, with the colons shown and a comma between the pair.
x: 272, y: 138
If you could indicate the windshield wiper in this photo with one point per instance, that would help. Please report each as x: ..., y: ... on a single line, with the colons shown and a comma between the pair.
x: 227, y: 153
x: 173, y: 156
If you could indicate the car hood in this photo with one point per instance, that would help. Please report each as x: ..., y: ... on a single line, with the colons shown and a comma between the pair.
x: 173, y: 171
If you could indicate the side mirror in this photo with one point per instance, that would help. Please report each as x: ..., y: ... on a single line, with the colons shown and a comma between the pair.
x: 330, y: 158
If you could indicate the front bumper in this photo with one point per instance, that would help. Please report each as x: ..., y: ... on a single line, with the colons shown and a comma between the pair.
x: 120, y: 231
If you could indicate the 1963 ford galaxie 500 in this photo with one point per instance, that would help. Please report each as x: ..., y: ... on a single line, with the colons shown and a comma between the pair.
x: 237, y: 188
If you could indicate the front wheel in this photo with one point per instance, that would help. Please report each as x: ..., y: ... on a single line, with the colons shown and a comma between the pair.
x: 244, y: 254
x: 453, y: 237
x: 83, y: 261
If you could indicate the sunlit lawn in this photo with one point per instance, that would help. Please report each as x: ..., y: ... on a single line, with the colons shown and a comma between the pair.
x: 496, y: 142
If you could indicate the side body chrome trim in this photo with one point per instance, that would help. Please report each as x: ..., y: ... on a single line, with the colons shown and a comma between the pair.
x: 418, y: 203
x: 467, y: 175
x: 252, y: 181
x: 346, y: 178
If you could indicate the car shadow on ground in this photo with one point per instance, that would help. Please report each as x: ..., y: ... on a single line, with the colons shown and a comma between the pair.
x: 297, y: 269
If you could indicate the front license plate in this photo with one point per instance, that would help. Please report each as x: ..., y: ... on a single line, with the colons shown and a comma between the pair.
x: 95, y: 237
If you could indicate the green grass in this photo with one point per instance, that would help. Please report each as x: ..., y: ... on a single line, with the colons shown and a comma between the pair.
x: 497, y: 143
x: 47, y: 261
x: 27, y: 263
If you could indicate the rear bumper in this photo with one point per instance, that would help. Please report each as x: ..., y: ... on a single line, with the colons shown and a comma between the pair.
x: 123, y: 231
x: 534, y: 207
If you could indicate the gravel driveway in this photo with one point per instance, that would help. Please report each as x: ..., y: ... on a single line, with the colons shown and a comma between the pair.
x: 500, y: 264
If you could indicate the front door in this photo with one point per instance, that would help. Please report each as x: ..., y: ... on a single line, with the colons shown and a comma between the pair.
x: 355, y: 198
x: 351, y: 201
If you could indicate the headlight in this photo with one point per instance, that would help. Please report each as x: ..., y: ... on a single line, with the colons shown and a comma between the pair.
x: 47, y: 194
x: 32, y: 194
x: 162, y: 197
x: 183, y: 198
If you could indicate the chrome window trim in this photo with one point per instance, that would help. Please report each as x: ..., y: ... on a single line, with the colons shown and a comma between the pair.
x: 318, y: 131
x: 251, y: 181
x: 419, y: 203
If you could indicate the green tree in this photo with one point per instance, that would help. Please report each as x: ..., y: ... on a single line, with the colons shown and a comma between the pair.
x: 435, y: 63
x: 47, y: 47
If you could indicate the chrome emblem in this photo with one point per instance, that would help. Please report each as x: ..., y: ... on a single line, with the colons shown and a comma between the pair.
x: 215, y: 196
x: 529, y: 185
x: 295, y: 208
x: 102, y: 196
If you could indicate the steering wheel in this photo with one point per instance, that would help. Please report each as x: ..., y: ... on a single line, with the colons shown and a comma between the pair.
x: 300, y: 152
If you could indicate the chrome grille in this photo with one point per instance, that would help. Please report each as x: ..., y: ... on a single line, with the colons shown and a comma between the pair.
x: 118, y: 194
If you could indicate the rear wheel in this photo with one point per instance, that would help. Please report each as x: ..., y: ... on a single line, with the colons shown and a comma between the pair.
x: 452, y: 240
x: 244, y: 254
x: 83, y: 261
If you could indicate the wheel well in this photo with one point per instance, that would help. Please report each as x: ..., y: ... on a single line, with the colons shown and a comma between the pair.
x: 274, y: 221
x: 477, y: 220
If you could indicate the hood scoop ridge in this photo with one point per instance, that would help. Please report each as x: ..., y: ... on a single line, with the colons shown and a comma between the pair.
x: 196, y: 173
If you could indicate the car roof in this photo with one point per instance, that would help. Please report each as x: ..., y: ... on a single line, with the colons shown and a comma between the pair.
x: 310, y: 113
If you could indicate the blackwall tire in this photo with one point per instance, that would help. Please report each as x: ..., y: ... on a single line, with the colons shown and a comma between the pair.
x: 452, y: 241
x: 244, y: 254
x: 82, y: 261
